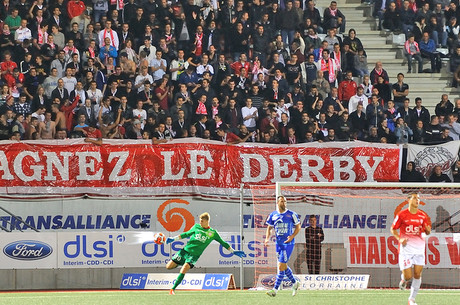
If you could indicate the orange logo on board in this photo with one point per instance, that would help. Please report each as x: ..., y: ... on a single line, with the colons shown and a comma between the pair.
x: 175, y: 217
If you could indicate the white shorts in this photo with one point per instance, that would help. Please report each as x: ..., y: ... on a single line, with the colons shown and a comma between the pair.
x: 408, y: 260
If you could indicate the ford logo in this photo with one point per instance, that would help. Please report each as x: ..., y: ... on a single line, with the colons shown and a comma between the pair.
x: 269, y: 280
x: 27, y: 250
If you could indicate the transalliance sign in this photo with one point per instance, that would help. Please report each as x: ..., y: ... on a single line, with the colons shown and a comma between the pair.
x: 197, y: 167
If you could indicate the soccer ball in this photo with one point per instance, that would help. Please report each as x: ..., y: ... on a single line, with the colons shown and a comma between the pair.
x: 159, y: 238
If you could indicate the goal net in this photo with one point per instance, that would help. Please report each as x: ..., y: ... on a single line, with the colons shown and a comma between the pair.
x: 355, y: 219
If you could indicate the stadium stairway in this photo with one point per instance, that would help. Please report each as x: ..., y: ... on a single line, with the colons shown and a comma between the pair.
x: 379, y: 45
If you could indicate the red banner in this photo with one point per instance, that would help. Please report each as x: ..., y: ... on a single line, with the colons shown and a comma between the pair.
x: 381, y: 250
x: 179, y: 167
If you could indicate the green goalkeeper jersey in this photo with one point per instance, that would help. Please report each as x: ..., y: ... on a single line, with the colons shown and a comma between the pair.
x: 201, y: 238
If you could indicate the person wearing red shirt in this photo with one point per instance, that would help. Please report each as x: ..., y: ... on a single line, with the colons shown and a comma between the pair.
x: 163, y: 93
x: 413, y: 225
x: 237, y: 65
x: 269, y: 121
x: 68, y: 108
x: 92, y: 132
x: 75, y: 8
x: 229, y: 137
x: 7, y: 66
x: 347, y: 88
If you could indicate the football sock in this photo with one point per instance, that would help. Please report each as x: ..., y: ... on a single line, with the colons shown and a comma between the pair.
x: 279, y: 279
x: 288, y: 273
x: 402, y: 277
x: 415, y: 286
x: 178, y: 280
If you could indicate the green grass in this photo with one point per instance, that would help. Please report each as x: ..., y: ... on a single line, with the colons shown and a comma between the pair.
x: 365, y: 297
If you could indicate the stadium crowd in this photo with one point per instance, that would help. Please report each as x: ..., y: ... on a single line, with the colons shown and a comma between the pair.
x: 229, y: 71
x: 430, y: 27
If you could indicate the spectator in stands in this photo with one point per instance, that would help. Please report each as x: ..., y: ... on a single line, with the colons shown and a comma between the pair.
x: 445, y: 135
x: 288, y: 22
x: 428, y: 50
x: 260, y: 40
x: 329, y: 68
x: 358, y: 99
x: 360, y: 64
x: 340, y: 59
x: 419, y: 133
x: 293, y: 72
x: 391, y: 18
x: 410, y: 174
x: 419, y: 112
x: 437, y: 25
x: 353, y: 41
x: 344, y: 127
x: 384, y: 131
x: 229, y: 137
x: 433, y: 130
x: 455, y: 67
x: 245, y: 133
x: 456, y: 171
x: 347, y: 89
x: 457, y: 107
x: 373, y: 136
x: 424, y: 11
x: 332, y: 38
x: 333, y: 18
x: 452, y: 29
x: 380, y: 7
x: 13, y: 21
x: 359, y: 122
x: 452, y: 125
x: 374, y: 111
x: 402, y: 132
x: 312, y: 40
x: 444, y: 107
x: 419, y: 28
x: 331, y: 136
x: 22, y: 106
x: 379, y: 71
x: 322, y: 87
x: 412, y: 51
x: 400, y: 91
x: 438, y: 176
x: 23, y: 32
x: 312, y: 13
x: 407, y: 15
x: 405, y: 112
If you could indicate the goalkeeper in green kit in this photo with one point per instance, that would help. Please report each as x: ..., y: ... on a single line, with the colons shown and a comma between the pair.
x: 201, y: 235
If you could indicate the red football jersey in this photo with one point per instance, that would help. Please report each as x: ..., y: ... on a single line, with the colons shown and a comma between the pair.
x: 411, y: 226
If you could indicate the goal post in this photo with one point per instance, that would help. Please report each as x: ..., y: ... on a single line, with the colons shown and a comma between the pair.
x: 355, y: 219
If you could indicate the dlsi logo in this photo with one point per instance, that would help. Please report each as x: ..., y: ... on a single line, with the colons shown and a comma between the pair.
x: 133, y: 281
x: 97, y: 248
x: 27, y: 250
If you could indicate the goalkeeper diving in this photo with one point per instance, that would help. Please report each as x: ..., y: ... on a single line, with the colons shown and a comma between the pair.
x: 201, y: 235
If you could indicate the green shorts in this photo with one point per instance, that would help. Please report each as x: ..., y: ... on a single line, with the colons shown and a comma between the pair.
x: 183, y: 257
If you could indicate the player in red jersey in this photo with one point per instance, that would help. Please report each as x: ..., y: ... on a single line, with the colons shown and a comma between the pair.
x: 413, y: 225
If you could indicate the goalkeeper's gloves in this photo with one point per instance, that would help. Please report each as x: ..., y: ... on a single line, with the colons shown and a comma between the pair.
x: 239, y: 253
x: 171, y: 239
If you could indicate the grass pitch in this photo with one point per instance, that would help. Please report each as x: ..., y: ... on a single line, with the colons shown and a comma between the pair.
x: 364, y: 297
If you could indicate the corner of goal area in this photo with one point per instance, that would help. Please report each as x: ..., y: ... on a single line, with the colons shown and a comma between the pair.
x: 165, y: 281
